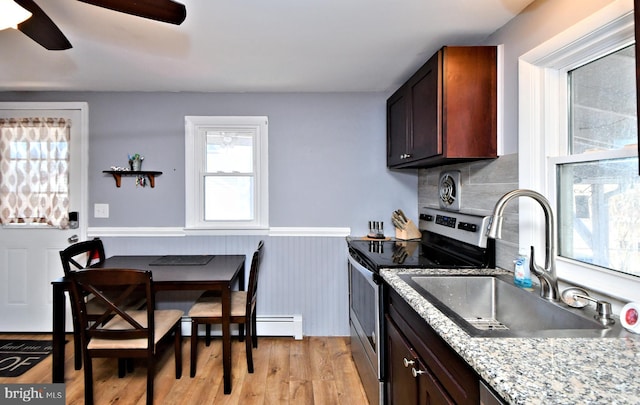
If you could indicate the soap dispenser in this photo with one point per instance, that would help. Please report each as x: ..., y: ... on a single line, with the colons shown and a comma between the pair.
x: 521, y: 273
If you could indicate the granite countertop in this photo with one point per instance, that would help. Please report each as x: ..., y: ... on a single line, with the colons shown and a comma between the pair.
x: 537, y: 370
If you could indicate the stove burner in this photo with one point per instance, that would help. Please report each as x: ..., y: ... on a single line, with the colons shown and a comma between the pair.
x: 449, y: 190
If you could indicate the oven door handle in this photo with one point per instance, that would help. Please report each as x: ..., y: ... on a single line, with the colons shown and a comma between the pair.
x: 372, y: 278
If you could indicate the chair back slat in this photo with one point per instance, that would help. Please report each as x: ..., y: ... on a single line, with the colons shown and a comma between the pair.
x: 125, y: 281
x: 91, y: 248
x: 114, y: 306
x: 252, y: 290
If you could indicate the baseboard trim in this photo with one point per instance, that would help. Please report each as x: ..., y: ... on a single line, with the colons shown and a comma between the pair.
x: 278, y: 325
x: 288, y: 325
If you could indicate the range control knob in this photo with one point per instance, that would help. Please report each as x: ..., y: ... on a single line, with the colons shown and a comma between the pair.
x: 465, y: 226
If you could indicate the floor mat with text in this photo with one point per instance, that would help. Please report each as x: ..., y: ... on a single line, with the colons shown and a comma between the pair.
x: 18, y: 356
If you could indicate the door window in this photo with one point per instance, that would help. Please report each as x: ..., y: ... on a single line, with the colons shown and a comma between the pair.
x: 34, y: 171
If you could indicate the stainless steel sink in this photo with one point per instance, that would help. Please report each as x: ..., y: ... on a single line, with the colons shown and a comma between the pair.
x: 491, y: 306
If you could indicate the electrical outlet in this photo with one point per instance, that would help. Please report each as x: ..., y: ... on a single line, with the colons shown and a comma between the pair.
x: 101, y: 210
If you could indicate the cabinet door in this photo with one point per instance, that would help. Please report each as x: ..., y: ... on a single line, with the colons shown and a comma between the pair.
x: 397, y: 127
x: 402, y: 387
x: 430, y: 390
x: 469, y: 102
x: 426, y: 112
x: 443, y: 377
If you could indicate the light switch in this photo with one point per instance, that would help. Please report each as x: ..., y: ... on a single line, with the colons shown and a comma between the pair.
x: 101, y: 210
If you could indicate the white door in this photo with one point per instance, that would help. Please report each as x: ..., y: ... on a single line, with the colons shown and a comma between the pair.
x: 29, y: 257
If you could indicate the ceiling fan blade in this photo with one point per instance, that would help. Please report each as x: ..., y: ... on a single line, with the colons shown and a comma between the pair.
x: 167, y: 11
x: 42, y: 29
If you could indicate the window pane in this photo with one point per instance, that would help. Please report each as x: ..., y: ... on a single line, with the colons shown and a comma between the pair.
x: 229, y: 152
x: 228, y: 198
x: 599, y: 213
x: 226, y: 176
x: 603, y: 103
x: 18, y: 150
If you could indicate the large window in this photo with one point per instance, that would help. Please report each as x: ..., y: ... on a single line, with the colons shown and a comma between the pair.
x: 578, y: 145
x: 599, y: 196
x: 226, y: 172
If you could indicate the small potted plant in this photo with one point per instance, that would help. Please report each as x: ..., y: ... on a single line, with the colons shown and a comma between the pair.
x: 135, y: 162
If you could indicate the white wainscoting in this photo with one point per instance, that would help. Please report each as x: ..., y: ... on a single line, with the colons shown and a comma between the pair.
x: 303, y: 275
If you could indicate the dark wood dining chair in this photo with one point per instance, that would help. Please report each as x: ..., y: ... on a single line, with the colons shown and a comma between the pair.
x: 75, y: 257
x: 79, y: 256
x: 120, y: 332
x: 208, y: 310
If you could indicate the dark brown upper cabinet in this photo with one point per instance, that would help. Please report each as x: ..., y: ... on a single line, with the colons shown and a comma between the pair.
x: 447, y: 111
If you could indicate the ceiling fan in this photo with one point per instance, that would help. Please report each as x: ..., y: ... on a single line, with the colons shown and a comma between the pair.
x: 44, y: 31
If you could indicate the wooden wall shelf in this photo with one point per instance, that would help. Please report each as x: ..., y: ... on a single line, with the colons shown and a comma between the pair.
x: 117, y: 175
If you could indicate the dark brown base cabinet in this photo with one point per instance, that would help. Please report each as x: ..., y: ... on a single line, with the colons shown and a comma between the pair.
x: 421, y: 367
x: 446, y: 111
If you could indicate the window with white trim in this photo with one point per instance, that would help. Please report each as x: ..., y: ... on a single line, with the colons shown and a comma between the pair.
x: 226, y: 171
x: 597, y: 189
x: 578, y: 145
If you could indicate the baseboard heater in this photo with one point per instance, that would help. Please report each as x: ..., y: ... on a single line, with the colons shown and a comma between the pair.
x: 274, y: 325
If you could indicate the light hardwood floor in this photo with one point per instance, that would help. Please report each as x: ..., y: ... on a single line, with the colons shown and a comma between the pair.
x: 315, y: 370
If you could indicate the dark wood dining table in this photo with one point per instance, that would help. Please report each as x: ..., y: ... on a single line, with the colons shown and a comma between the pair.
x: 218, y: 274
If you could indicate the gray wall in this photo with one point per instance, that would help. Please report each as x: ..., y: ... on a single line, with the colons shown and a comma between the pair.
x: 326, y: 155
x: 540, y: 21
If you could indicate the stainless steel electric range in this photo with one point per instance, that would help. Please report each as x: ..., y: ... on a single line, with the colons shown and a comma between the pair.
x: 450, y: 240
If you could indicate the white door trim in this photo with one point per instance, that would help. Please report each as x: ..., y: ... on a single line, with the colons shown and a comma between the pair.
x: 29, y: 257
x: 83, y: 107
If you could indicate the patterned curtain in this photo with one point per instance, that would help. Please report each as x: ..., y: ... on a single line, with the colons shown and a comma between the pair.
x: 34, y: 171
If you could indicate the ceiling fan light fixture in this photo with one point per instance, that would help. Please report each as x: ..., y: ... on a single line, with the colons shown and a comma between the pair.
x: 12, y: 14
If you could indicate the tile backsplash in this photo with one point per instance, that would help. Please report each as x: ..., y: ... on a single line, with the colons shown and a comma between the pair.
x: 482, y: 184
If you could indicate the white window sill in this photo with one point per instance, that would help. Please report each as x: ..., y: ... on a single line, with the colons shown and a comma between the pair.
x: 625, y: 288
x: 28, y: 226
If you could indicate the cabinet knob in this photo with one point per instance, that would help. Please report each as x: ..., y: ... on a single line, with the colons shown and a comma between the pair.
x: 405, y: 156
x: 407, y: 363
x: 416, y: 373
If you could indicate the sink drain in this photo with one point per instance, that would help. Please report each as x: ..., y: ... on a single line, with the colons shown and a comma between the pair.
x: 487, y: 324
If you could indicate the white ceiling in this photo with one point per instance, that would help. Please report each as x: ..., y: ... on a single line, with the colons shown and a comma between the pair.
x: 248, y: 45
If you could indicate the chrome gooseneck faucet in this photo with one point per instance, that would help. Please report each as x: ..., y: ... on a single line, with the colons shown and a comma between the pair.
x: 547, y: 276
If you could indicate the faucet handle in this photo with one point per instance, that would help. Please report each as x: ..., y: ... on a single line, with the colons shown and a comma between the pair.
x: 548, y: 282
x: 533, y: 266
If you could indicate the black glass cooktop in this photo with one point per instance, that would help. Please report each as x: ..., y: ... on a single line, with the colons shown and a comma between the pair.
x: 411, y: 254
